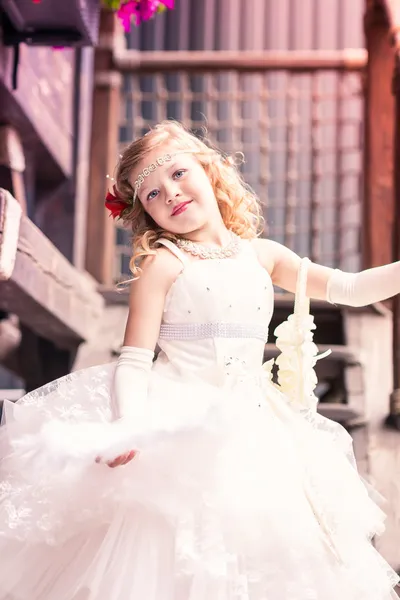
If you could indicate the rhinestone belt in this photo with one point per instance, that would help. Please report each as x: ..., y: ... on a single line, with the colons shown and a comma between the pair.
x: 202, y: 331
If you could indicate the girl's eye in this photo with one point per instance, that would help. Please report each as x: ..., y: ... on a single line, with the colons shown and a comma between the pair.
x: 152, y: 195
x: 178, y: 174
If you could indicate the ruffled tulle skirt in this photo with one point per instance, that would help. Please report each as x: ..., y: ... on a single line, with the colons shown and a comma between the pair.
x: 234, y: 495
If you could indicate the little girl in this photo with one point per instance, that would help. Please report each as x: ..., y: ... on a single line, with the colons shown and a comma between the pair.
x: 223, y: 485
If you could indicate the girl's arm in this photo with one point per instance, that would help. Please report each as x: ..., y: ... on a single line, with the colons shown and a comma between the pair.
x: 132, y: 372
x: 337, y: 287
x: 146, y: 306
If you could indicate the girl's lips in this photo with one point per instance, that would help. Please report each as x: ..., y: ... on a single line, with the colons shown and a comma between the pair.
x: 180, y: 208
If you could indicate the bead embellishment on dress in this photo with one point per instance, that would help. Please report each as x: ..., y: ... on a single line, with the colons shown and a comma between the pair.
x: 234, y: 360
x: 235, y: 366
x: 207, y: 252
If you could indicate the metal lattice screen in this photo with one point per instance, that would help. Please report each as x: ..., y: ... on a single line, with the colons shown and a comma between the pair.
x: 301, y: 134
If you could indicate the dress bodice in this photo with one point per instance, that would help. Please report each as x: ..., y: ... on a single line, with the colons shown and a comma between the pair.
x: 216, y: 316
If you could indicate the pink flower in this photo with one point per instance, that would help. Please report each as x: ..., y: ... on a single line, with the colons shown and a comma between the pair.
x: 145, y: 9
x: 126, y: 12
x: 140, y: 10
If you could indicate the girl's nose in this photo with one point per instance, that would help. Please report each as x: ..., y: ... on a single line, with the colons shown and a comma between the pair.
x: 172, y: 192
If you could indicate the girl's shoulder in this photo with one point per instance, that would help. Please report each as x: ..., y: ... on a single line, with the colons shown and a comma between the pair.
x: 162, y: 267
x: 266, y: 252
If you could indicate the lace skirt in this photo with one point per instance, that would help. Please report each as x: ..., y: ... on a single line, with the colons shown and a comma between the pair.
x: 234, y: 495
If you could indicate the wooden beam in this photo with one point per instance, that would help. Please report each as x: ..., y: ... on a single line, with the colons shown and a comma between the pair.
x: 104, y: 153
x: 39, y: 285
x: 378, y: 208
x: 299, y: 61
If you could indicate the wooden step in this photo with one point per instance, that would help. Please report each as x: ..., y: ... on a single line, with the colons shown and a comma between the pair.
x: 341, y: 413
x: 344, y: 354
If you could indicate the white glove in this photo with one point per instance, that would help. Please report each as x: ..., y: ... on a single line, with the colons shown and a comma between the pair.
x: 131, y: 381
x: 364, y: 288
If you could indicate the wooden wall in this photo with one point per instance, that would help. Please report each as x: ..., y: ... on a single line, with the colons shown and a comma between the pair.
x: 254, y: 25
x: 44, y: 97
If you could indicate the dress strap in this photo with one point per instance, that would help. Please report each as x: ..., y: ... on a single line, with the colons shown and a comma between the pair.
x: 175, y: 250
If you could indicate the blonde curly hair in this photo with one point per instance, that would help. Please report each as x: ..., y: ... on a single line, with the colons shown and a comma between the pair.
x: 239, y: 206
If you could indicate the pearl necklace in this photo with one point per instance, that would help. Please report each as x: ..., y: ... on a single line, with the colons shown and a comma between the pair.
x: 206, y: 252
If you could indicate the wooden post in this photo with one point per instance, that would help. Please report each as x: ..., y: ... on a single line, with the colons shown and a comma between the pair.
x: 84, y: 62
x: 10, y: 336
x: 379, y: 125
x: 104, y: 153
x: 395, y: 398
x: 12, y: 164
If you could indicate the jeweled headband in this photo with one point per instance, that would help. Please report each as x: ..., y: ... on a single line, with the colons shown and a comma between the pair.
x: 147, y: 170
x: 117, y: 206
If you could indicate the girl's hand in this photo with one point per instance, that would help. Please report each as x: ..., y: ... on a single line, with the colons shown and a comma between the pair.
x: 123, y: 459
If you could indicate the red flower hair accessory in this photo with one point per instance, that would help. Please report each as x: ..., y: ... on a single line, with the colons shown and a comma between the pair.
x: 115, y: 204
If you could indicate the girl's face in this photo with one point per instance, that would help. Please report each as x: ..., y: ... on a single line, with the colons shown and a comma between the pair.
x: 177, y: 194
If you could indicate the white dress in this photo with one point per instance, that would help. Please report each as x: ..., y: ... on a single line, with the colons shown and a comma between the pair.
x: 240, y: 491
